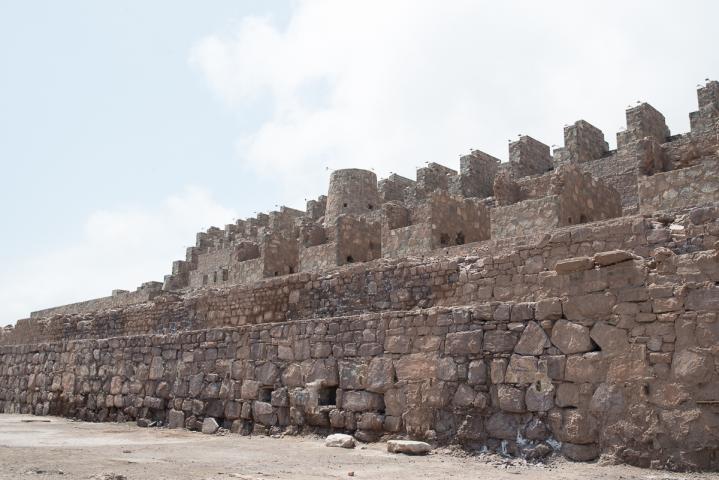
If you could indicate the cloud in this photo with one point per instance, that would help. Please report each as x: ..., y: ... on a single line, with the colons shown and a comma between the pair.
x: 118, y: 248
x: 391, y: 85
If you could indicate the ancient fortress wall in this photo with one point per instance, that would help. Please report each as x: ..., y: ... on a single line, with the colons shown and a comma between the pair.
x: 616, y: 343
x: 563, y: 301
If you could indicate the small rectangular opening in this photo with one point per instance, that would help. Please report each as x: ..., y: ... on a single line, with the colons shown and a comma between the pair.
x: 225, y: 275
x: 204, y: 279
x: 265, y: 395
x: 327, y: 396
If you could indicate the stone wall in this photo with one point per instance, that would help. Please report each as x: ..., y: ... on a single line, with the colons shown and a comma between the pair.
x: 119, y: 298
x: 492, y: 270
x: 351, y: 191
x: 613, y: 344
x: 583, y: 199
x: 541, y: 215
x: 680, y: 188
x: 528, y: 156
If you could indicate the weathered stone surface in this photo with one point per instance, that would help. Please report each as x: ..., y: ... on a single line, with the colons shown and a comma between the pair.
x: 340, y: 440
x: 692, y: 367
x: 477, y: 372
x: 571, y: 337
x: 580, y: 453
x: 463, y: 343
x: 571, y: 265
x: 586, y: 368
x: 499, y: 341
x: 521, y: 369
x: 539, y: 396
x: 593, y: 306
x: 511, y: 399
x: 361, y: 401
x: 380, y: 375
x: 503, y: 426
x: 549, y: 309
x: 416, y: 367
x: 209, y: 426
x: 263, y: 413
x: 611, y: 257
x: 611, y: 340
x: 408, y: 447
x: 175, y: 419
x: 533, y: 340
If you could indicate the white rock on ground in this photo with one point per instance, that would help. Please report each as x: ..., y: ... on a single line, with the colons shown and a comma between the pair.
x: 409, y: 447
x: 209, y: 426
x: 340, y: 440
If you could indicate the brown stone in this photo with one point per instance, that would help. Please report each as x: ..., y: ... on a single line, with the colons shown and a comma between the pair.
x: 533, y: 340
x: 571, y: 337
x: 571, y: 265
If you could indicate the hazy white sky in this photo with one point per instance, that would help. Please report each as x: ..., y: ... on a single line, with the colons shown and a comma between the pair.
x: 126, y: 127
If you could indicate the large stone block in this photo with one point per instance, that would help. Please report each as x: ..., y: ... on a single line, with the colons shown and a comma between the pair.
x: 361, y: 401
x: 611, y: 340
x: 499, y: 341
x: 416, y: 366
x: 540, y: 396
x: 175, y: 419
x: 464, y: 343
x: 692, y: 367
x: 511, y: 399
x: 521, y: 369
x: 571, y: 337
x: 533, y: 340
x: 503, y: 426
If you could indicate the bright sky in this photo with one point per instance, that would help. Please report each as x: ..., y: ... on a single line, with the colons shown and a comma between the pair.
x: 125, y: 127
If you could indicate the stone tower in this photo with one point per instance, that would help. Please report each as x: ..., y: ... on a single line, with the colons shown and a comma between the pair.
x: 352, y: 191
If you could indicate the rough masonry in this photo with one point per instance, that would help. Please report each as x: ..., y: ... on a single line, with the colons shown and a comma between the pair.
x: 561, y: 302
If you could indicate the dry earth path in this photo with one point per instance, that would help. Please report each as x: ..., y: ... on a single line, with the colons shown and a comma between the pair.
x: 55, y: 448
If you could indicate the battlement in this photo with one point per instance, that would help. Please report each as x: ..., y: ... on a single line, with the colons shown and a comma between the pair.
x: 362, y: 219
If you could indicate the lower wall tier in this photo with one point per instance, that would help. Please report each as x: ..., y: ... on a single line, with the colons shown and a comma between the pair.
x: 623, y: 361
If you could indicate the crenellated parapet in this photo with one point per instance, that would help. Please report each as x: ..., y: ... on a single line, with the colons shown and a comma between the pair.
x: 361, y: 219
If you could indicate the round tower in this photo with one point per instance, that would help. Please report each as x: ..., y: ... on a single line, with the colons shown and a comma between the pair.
x: 351, y: 191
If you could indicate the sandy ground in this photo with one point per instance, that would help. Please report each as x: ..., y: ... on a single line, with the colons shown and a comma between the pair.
x: 55, y: 448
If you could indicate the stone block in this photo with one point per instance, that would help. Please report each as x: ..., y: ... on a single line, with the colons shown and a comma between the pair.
x: 464, y: 343
x: 511, y: 399
x: 540, y: 396
x: 175, y: 419
x: 380, y: 375
x: 611, y: 257
x: 362, y: 401
x: 571, y: 337
x: 571, y: 265
x: 416, y: 367
x: 408, y: 447
x: 533, y: 340
x: 263, y: 413
x: 503, y: 426
x: 580, y: 453
x: 549, y: 309
x: 340, y: 440
x: 499, y: 341
x: 692, y: 367
x: 521, y: 369
x: 611, y: 340
x: 477, y: 372
x: 209, y: 426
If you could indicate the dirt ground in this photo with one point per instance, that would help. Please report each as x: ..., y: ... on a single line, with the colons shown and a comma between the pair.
x: 55, y: 448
